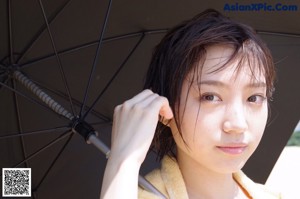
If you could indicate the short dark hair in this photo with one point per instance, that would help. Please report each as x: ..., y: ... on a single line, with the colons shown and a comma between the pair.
x: 184, y: 46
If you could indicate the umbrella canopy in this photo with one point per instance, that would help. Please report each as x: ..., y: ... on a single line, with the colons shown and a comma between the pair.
x: 91, y: 55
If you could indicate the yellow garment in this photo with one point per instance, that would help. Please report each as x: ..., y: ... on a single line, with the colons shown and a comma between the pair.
x: 169, y: 181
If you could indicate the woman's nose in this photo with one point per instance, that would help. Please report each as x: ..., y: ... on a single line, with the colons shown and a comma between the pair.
x: 235, y: 119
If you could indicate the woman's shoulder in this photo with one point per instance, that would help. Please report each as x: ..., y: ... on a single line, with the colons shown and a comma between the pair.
x: 168, y: 180
x: 255, y: 190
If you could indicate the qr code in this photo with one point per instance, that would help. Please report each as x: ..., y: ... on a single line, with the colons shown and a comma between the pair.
x: 16, y: 182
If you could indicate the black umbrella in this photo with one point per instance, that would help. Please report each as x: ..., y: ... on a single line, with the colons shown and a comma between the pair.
x: 89, y: 56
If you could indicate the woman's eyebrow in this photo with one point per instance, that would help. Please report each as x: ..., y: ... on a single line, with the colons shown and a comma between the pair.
x: 212, y: 83
x: 222, y: 84
x: 257, y: 85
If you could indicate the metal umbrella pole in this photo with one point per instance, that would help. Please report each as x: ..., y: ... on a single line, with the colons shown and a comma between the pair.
x: 78, y: 125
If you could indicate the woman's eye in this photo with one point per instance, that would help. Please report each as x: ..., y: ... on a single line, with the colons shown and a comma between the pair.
x: 210, y: 97
x: 258, y: 99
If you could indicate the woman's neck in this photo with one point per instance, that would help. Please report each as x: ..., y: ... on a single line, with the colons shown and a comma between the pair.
x: 202, y: 182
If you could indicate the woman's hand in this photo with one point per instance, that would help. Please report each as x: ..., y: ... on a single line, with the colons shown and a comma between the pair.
x: 134, y: 125
x: 133, y: 130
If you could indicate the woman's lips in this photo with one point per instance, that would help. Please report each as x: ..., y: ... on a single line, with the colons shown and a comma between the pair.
x: 233, y: 149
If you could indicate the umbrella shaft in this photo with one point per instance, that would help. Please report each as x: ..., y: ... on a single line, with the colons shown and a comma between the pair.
x: 99, y: 144
x: 145, y: 184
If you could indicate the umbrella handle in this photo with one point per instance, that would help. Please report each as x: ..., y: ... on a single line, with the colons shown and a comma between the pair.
x: 145, y: 184
x: 43, y: 96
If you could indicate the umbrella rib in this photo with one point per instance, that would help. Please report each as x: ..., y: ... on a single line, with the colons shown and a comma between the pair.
x: 86, y: 45
x: 39, y: 33
x: 53, y: 162
x: 28, y: 98
x: 19, y: 124
x: 96, y: 58
x: 135, y: 34
x: 10, y: 33
x: 115, y: 75
x: 57, y: 58
x: 4, y: 82
x: 45, y: 147
x: 278, y: 33
x: 33, y: 132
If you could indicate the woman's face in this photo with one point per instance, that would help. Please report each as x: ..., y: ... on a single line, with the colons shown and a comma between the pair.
x: 223, y: 115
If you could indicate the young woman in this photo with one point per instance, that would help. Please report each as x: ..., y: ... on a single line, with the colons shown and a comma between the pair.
x: 208, y: 84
